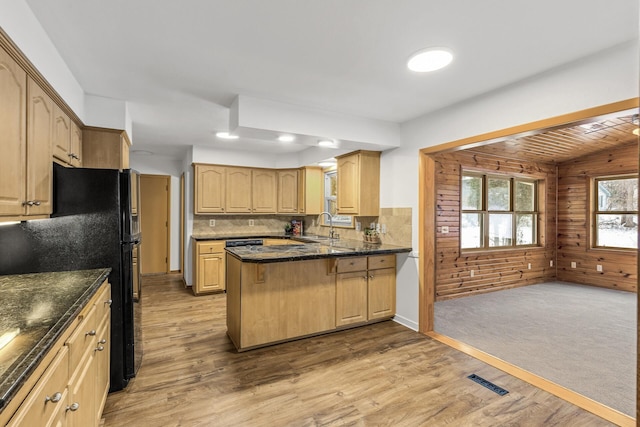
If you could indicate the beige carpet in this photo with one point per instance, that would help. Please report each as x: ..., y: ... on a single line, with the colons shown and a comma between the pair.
x: 581, y: 337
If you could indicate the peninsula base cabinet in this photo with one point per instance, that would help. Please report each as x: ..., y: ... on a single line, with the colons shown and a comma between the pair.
x: 365, y: 289
x: 274, y: 302
x: 71, y: 389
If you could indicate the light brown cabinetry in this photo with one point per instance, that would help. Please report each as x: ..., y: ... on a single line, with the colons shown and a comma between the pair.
x: 365, y: 289
x: 310, y: 190
x: 210, y: 189
x: 72, y: 387
x: 13, y: 136
x: 209, y: 267
x: 105, y: 148
x: 238, y: 190
x: 288, y: 191
x: 264, y: 191
x: 67, y: 139
x: 359, y: 183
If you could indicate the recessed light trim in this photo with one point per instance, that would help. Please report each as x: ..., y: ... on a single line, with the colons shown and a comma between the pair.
x: 636, y: 131
x: 226, y: 135
x: 430, y: 59
x: 326, y: 143
x: 286, y: 138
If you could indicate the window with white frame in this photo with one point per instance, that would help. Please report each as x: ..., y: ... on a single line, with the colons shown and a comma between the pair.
x: 497, y: 211
x: 615, y: 214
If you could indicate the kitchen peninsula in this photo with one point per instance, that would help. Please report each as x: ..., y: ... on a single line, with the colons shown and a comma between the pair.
x: 279, y: 293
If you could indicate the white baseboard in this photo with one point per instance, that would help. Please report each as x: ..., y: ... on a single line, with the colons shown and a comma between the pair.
x: 405, y: 322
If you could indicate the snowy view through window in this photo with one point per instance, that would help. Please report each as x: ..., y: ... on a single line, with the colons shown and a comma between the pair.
x: 616, y: 217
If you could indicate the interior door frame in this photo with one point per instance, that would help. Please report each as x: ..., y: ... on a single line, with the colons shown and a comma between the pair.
x: 427, y: 247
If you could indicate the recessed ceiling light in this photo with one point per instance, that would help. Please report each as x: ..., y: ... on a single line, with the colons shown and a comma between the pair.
x: 286, y: 138
x: 326, y: 143
x: 430, y: 59
x: 226, y: 135
x: 636, y: 131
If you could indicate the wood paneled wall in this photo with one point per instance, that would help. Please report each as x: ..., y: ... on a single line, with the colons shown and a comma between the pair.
x: 493, y: 270
x: 574, y: 230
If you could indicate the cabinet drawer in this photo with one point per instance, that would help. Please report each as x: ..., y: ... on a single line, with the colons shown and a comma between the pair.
x: 210, y: 247
x: 351, y: 264
x: 83, y: 338
x: 48, y: 397
x: 103, y: 303
x: 382, y: 261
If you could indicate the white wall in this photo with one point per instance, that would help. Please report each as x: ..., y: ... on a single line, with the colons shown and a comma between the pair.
x: 159, y: 165
x: 608, y: 77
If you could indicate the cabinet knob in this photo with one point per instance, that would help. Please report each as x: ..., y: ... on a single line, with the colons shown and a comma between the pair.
x: 371, y: 277
x: 91, y: 333
x: 73, y: 407
x: 109, y: 302
x: 102, y: 341
x: 99, y: 348
x: 54, y: 399
x: 31, y: 203
x: 364, y: 277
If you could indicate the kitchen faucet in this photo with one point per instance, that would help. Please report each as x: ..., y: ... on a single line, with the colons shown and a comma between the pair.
x: 331, y: 232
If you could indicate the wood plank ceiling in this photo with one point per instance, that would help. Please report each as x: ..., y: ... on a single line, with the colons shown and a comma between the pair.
x: 562, y: 144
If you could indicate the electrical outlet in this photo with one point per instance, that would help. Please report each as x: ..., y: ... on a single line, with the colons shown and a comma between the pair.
x: 551, y: 263
x: 358, y: 226
x: 212, y: 223
x: 372, y: 226
x: 573, y: 264
x: 599, y: 268
x: 250, y: 223
x: 444, y: 229
x: 529, y: 266
x: 313, y: 222
x: 383, y: 228
x: 472, y: 273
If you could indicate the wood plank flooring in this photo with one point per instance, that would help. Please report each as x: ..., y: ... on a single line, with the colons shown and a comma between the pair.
x: 378, y: 375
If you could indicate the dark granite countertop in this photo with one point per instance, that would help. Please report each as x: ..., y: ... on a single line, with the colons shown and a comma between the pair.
x: 309, y: 248
x: 229, y: 236
x: 41, y: 306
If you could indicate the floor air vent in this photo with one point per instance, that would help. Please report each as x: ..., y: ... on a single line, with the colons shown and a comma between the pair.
x: 488, y: 384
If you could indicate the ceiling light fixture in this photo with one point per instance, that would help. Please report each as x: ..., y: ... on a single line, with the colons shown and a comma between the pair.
x: 286, y: 138
x: 636, y: 131
x: 326, y: 143
x: 431, y: 59
x: 226, y: 135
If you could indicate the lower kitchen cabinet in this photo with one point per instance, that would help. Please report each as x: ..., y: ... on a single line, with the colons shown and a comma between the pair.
x: 72, y: 389
x: 209, y: 267
x: 365, y: 289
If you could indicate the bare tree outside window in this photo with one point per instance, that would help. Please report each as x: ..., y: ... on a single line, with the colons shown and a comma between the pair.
x: 616, y: 212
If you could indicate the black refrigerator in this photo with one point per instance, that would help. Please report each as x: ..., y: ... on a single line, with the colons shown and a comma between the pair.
x: 93, y: 225
x: 106, y: 202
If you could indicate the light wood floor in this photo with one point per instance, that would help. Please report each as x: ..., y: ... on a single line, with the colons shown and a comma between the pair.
x: 384, y: 374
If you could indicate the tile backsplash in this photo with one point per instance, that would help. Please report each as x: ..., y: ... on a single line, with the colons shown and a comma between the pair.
x: 397, y: 221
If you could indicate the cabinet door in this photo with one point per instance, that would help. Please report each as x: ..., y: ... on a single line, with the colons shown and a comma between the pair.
x: 82, y: 394
x: 349, y: 184
x: 103, y: 351
x: 264, y: 191
x: 382, y: 293
x: 76, y: 146
x: 210, y: 189
x: 288, y: 191
x: 351, y: 298
x: 210, y: 273
x: 238, y: 190
x: 13, y: 140
x: 310, y: 196
x: 61, y: 135
x: 39, y: 149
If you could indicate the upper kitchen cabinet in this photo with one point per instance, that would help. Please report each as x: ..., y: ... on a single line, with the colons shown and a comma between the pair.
x: 238, y: 190
x: 13, y: 135
x: 288, y: 191
x: 264, y: 189
x: 67, y: 139
x: 210, y: 189
x: 359, y: 183
x: 310, y: 190
x: 105, y: 148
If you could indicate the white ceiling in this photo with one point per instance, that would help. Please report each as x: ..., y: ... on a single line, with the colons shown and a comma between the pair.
x: 180, y: 64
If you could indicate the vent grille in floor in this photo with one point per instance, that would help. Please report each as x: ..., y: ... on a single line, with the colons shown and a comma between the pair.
x: 488, y: 384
